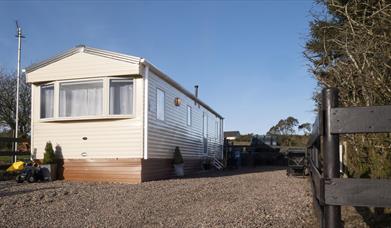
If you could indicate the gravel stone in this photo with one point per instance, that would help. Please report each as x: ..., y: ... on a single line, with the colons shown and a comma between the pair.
x: 261, y: 197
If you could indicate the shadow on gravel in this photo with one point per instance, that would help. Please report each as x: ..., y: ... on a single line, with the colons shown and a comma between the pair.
x: 4, y: 191
x: 234, y: 172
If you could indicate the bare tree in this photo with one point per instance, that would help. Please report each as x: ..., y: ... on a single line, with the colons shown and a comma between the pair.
x: 8, y: 103
x: 350, y: 49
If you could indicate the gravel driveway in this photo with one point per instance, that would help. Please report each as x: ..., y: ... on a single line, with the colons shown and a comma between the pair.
x: 262, y: 197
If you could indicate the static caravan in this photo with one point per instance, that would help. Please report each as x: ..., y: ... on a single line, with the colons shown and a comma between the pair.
x: 116, y: 117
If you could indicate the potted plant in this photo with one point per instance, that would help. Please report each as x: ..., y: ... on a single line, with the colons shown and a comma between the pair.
x: 178, y: 163
x: 49, y: 161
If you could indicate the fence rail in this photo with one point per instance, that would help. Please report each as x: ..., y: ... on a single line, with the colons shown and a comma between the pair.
x: 10, y: 140
x: 329, y: 191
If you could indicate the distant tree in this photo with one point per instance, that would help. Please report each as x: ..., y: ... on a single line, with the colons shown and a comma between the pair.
x: 305, y: 127
x: 290, y: 125
x: 285, y: 131
x: 273, y: 131
x: 284, y: 127
x: 8, y: 103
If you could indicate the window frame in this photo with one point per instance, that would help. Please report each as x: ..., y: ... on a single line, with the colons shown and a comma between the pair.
x: 157, y: 104
x: 105, y: 99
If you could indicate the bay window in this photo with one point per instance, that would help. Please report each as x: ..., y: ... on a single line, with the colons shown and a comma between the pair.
x: 96, y: 98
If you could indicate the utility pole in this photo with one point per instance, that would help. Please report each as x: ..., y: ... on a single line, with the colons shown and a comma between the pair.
x: 19, y: 36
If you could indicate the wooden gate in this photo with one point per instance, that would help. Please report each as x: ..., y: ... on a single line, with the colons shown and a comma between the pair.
x: 329, y: 191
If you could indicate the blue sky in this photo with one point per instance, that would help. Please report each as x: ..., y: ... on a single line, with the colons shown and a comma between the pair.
x: 246, y: 56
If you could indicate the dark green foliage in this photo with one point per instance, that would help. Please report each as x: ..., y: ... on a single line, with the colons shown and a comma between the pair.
x: 6, y: 146
x: 49, y: 157
x: 244, y: 138
x: 178, y: 159
x: 292, y: 140
x: 349, y: 48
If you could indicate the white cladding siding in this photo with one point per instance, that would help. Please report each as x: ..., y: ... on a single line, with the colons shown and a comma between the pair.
x: 164, y: 136
x: 111, y: 138
x: 82, y: 65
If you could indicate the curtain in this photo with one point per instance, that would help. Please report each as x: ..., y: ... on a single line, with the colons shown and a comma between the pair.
x: 47, y: 93
x: 121, y: 96
x: 81, y: 98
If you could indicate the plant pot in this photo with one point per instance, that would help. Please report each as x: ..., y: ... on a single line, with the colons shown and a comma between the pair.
x: 50, y: 172
x: 179, y: 170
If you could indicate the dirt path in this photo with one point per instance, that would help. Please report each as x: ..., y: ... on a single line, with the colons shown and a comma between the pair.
x: 263, y: 197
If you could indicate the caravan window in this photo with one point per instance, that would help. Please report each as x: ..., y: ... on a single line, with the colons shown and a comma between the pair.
x: 217, y: 129
x: 160, y: 104
x: 121, y: 96
x: 84, y: 98
x: 47, y: 98
x: 188, y: 115
x: 205, y: 125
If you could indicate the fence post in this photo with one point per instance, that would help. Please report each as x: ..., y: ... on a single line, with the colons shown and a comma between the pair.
x: 330, y: 149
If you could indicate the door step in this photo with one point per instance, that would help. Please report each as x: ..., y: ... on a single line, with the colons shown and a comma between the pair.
x: 218, y: 164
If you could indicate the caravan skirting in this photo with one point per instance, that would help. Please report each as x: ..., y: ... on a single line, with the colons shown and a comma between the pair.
x: 125, y: 170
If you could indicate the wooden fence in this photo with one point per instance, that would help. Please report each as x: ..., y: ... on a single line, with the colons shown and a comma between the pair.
x: 329, y: 191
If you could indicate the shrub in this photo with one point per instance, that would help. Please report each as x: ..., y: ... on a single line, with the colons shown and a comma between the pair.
x: 49, y: 157
x: 178, y: 159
